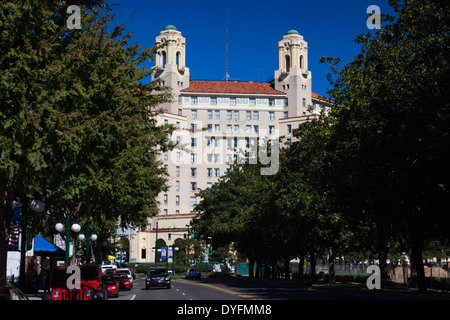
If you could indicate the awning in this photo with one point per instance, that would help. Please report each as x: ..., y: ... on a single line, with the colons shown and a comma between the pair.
x: 42, y: 247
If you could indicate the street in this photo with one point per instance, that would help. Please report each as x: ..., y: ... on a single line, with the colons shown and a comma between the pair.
x: 181, y: 290
x: 236, y: 288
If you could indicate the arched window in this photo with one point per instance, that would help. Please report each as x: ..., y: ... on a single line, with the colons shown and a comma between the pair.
x: 163, y: 59
x: 302, y: 62
x: 287, y: 63
x: 178, y: 58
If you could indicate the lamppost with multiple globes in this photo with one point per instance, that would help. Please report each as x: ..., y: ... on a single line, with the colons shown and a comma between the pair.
x: 60, y: 227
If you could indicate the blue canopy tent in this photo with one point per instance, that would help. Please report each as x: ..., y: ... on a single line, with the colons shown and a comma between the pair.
x: 42, y: 247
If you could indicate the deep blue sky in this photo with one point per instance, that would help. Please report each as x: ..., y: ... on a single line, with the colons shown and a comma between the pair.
x: 255, y: 27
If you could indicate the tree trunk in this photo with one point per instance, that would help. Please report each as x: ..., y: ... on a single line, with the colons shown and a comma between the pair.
x: 313, y: 265
x: 416, y: 259
x: 382, y: 257
x: 250, y: 268
x: 286, y: 268
x: 331, y: 270
x: 300, y: 267
x: 5, y: 221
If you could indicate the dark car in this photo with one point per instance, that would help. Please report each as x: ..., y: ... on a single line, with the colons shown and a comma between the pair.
x: 157, y: 277
x: 193, y: 273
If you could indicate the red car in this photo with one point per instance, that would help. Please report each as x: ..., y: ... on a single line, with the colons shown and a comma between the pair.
x: 123, y: 280
x: 110, y: 283
x: 90, y: 286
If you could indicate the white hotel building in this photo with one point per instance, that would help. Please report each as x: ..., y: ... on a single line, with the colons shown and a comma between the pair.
x: 213, y: 120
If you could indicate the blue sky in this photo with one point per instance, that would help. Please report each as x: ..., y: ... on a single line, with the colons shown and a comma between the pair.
x: 255, y: 27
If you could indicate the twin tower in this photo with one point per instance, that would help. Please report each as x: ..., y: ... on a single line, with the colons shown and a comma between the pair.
x: 292, y: 77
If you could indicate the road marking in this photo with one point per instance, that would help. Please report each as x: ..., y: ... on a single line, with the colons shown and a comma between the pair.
x: 134, y: 296
x: 218, y: 288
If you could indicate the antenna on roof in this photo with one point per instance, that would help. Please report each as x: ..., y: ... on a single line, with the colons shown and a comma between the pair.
x: 227, y: 75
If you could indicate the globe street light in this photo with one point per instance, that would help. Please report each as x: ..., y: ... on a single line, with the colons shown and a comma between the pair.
x: 75, y: 227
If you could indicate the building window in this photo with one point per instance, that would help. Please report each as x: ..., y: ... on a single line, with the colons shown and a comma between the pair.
x: 228, y: 114
x: 216, y: 172
x: 193, y: 127
x: 271, y: 102
x: 233, y: 101
x: 193, y: 172
x: 193, y: 142
x: 248, y: 116
x: 177, y: 200
x: 178, y: 171
x: 194, y: 186
x: 213, y: 100
x: 289, y: 128
x: 286, y: 102
x: 165, y: 212
x: 209, y: 157
x: 255, y: 115
x: 166, y: 198
x: 217, y: 128
x: 304, y: 102
x: 209, y: 185
x: 208, y: 172
x: 193, y: 201
x: 216, y: 158
x: 271, y: 129
x: 271, y: 115
x: 286, y: 114
x: 209, y: 126
x: 193, y: 158
x: 194, y: 100
x: 217, y: 114
x: 143, y: 253
x: 177, y: 185
x: 228, y: 128
x: 256, y: 128
x: 252, y: 101
x: 236, y: 115
x: 194, y: 114
x: 210, y: 116
x: 236, y: 128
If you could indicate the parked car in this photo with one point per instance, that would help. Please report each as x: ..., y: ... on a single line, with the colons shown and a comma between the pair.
x: 90, y: 286
x: 193, y: 273
x: 157, y: 277
x: 107, y: 265
x: 110, y: 283
x: 123, y: 280
x: 126, y: 271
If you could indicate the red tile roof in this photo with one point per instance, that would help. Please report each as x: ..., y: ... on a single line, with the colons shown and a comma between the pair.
x: 232, y: 87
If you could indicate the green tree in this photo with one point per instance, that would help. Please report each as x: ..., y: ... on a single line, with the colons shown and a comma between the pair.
x: 391, y: 108
x: 77, y: 120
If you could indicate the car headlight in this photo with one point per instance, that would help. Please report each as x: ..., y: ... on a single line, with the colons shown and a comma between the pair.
x: 56, y: 294
x: 167, y: 278
x: 127, y: 282
x: 89, y: 293
x: 113, y: 287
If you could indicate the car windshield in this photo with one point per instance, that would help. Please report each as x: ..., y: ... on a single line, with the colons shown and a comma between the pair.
x: 109, y: 280
x: 156, y: 271
x: 87, y: 274
x: 120, y: 276
x: 193, y: 271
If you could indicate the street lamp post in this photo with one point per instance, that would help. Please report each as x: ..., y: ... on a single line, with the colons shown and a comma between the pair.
x: 60, y: 228
x: 37, y: 206
x: 156, y: 245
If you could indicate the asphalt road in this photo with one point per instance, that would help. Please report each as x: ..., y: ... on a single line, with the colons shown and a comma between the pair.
x: 233, y: 288
x: 181, y: 290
